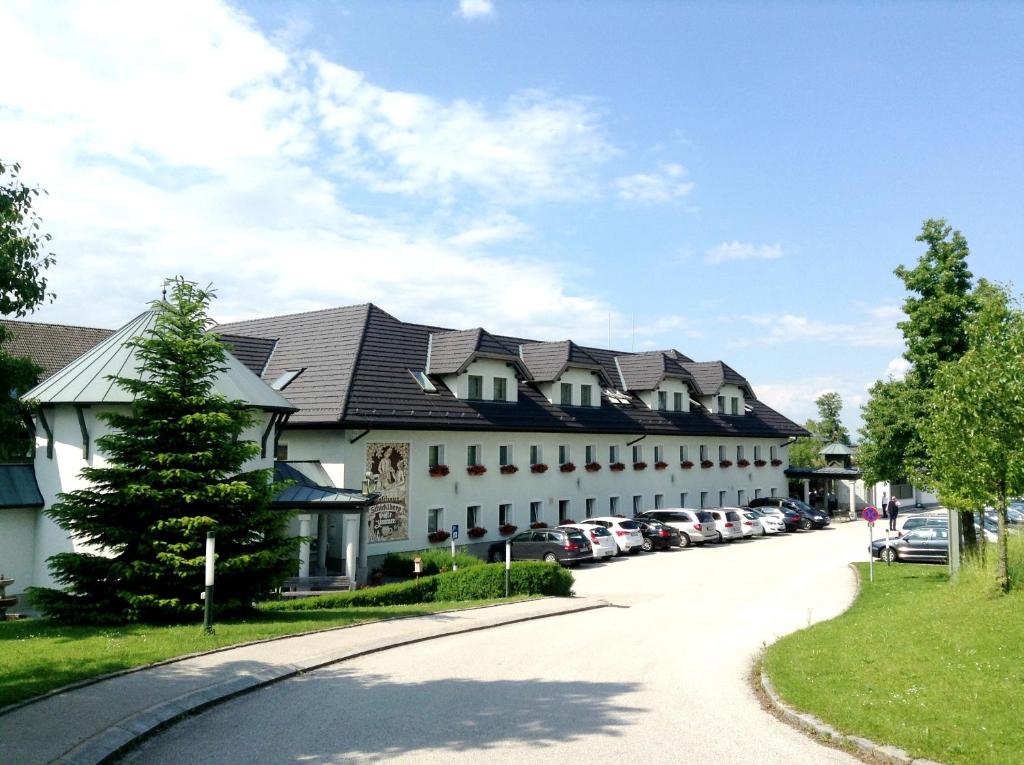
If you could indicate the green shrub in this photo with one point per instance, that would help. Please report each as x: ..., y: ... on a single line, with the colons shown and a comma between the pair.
x: 401, y: 593
x: 435, y: 561
x: 526, y: 578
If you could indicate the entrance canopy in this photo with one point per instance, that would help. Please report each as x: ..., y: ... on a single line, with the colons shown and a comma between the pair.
x: 306, y: 494
x: 826, y: 473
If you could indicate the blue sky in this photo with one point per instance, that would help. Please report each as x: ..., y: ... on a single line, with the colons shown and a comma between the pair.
x: 737, y: 181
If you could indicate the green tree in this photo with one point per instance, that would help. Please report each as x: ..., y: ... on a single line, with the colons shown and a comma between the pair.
x: 976, y: 423
x: 23, y: 263
x: 830, y: 427
x: 174, y: 472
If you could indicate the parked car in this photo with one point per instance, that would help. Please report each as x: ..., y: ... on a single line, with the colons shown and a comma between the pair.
x: 728, y: 524
x: 925, y: 521
x: 813, y: 518
x: 921, y: 544
x: 790, y: 519
x: 694, y: 526
x: 770, y: 523
x: 601, y: 539
x: 565, y: 546
x: 625, y: 532
x: 657, y: 535
x: 750, y: 522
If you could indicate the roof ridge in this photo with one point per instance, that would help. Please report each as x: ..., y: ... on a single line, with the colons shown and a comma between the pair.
x: 55, y: 324
x: 302, y: 313
x: 356, y: 357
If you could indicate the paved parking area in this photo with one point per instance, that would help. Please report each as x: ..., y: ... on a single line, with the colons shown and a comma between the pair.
x: 662, y: 678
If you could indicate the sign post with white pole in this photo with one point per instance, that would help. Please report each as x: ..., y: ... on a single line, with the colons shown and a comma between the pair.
x: 871, y: 515
x: 508, y: 564
x: 208, y: 592
x: 455, y: 535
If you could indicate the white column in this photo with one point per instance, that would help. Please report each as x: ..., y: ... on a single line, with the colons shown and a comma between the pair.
x: 304, y: 545
x: 362, y: 572
x: 351, y: 536
x: 807, y: 490
x: 851, y: 485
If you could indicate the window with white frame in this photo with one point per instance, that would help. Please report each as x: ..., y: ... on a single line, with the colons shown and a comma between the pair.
x: 638, y: 504
x: 591, y: 506
x: 613, y: 505
x: 505, y: 454
x: 435, y: 519
x: 472, y: 516
x: 703, y: 452
x: 734, y: 405
x: 638, y: 453
x: 721, y: 453
x: 662, y: 400
x: 703, y: 500
x: 773, y: 450
x: 473, y: 454
x: 684, y: 453
x: 721, y: 404
x: 659, y: 453
x: 773, y: 492
x: 721, y: 498
x: 476, y: 387
x: 613, y: 454
x: 500, y: 389
x: 563, y: 454
x: 566, y: 398
x: 591, y: 453
x: 435, y: 455
x: 682, y: 499
x: 677, y: 401
x: 563, y: 511
x: 739, y: 453
x: 504, y: 514
x: 586, y: 395
x: 757, y: 452
x: 535, y: 454
x: 741, y: 496
x: 659, y: 501
x: 757, y: 493
x: 535, y: 511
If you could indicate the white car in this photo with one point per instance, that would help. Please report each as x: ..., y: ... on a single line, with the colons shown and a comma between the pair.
x: 770, y: 524
x: 728, y: 524
x: 750, y: 523
x: 695, y: 527
x: 601, y: 539
x: 625, y: 532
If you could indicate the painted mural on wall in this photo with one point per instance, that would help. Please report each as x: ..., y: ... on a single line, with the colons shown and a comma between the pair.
x: 388, y: 517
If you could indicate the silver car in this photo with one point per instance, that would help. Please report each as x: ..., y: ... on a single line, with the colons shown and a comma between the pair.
x: 695, y: 526
x: 728, y: 524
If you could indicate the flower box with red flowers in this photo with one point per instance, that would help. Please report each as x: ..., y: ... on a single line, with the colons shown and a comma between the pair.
x: 476, y: 532
x: 438, y: 536
x: 437, y: 471
x: 725, y: 463
x: 539, y: 467
x: 616, y: 467
x: 476, y: 469
x: 742, y: 463
x: 592, y: 467
x: 538, y: 525
x: 567, y: 467
x: 508, y: 528
x: 639, y: 466
x: 660, y: 465
x: 508, y: 469
x: 760, y: 463
x: 686, y: 464
x: 776, y: 463
x: 707, y: 464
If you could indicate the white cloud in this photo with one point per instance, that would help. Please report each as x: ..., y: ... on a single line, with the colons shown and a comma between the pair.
x: 795, y: 397
x: 727, y: 251
x: 791, y: 328
x: 664, y: 185
x: 492, y: 229
x: 897, y: 368
x: 475, y: 9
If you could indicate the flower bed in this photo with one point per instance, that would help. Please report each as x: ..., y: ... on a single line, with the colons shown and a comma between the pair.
x: 476, y: 532
x: 725, y: 463
x: 508, y: 469
x: 760, y: 463
x: 707, y: 464
x: 686, y: 464
x: 616, y: 467
x: 438, y: 536
x: 776, y: 463
x: 660, y: 465
x: 508, y: 528
x: 476, y: 469
x: 539, y: 467
x: 567, y: 467
x: 438, y: 471
x: 639, y: 466
x: 743, y: 463
x: 538, y: 525
x: 592, y: 467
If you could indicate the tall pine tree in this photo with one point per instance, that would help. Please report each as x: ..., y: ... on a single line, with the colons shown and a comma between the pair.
x: 174, y: 472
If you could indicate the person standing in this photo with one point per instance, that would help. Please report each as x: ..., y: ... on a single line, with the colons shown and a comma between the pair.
x: 894, y: 511
x: 882, y: 507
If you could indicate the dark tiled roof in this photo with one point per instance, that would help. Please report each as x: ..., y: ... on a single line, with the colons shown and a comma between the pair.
x: 452, y: 352
x: 18, y: 487
x: 710, y: 376
x: 547, y: 361
x: 254, y: 352
x: 645, y: 371
x: 51, y: 346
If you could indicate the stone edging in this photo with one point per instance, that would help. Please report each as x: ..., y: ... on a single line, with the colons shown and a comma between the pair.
x: 883, y: 753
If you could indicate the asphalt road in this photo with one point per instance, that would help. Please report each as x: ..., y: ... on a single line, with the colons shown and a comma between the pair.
x: 661, y: 677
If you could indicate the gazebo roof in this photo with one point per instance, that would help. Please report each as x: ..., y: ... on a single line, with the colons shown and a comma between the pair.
x: 835, y: 449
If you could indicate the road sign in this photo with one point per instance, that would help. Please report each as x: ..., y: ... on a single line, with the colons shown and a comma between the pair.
x: 455, y: 531
x: 870, y: 514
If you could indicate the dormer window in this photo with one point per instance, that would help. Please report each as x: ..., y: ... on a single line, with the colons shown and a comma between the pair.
x: 566, y: 394
x: 586, y: 392
x: 662, y: 400
x: 721, y: 404
x: 476, y: 388
x: 500, y: 389
x: 677, y: 402
x: 734, y: 405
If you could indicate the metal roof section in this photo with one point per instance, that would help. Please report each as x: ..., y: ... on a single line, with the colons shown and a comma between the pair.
x: 645, y: 371
x: 837, y: 449
x: 305, y: 493
x: 18, y: 487
x: 51, y: 346
x: 86, y: 380
x: 547, y: 362
x: 826, y: 472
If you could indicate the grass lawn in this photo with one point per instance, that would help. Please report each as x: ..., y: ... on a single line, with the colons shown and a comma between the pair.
x: 934, y: 667
x: 37, y: 655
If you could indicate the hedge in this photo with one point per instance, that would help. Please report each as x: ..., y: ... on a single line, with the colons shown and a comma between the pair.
x: 435, y: 561
x: 473, y: 583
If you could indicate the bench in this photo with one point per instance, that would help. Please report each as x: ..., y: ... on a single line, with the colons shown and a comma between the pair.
x: 306, y: 586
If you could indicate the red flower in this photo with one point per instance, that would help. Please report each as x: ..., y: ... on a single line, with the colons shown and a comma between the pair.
x: 507, y: 529
x: 760, y: 463
x: 476, y: 469
x: 438, y: 536
x: 743, y: 463
x: 438, y: 470
x: 538, y: 525
x: 725, y: 463
x: 616, y: 467
x: 476, y: 532
x: 538, y: 467
x: 686, y: 464
x: 639, y: 466
x: 776, y: 463
x: 707, y: 463
x: 592, y: 467
x: 660, y: 465
x: 567, y: 467
x: 508, y: 469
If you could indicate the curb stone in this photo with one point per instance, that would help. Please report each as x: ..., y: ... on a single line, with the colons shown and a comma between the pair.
x: 115, y: 740
x: 886, y: 753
